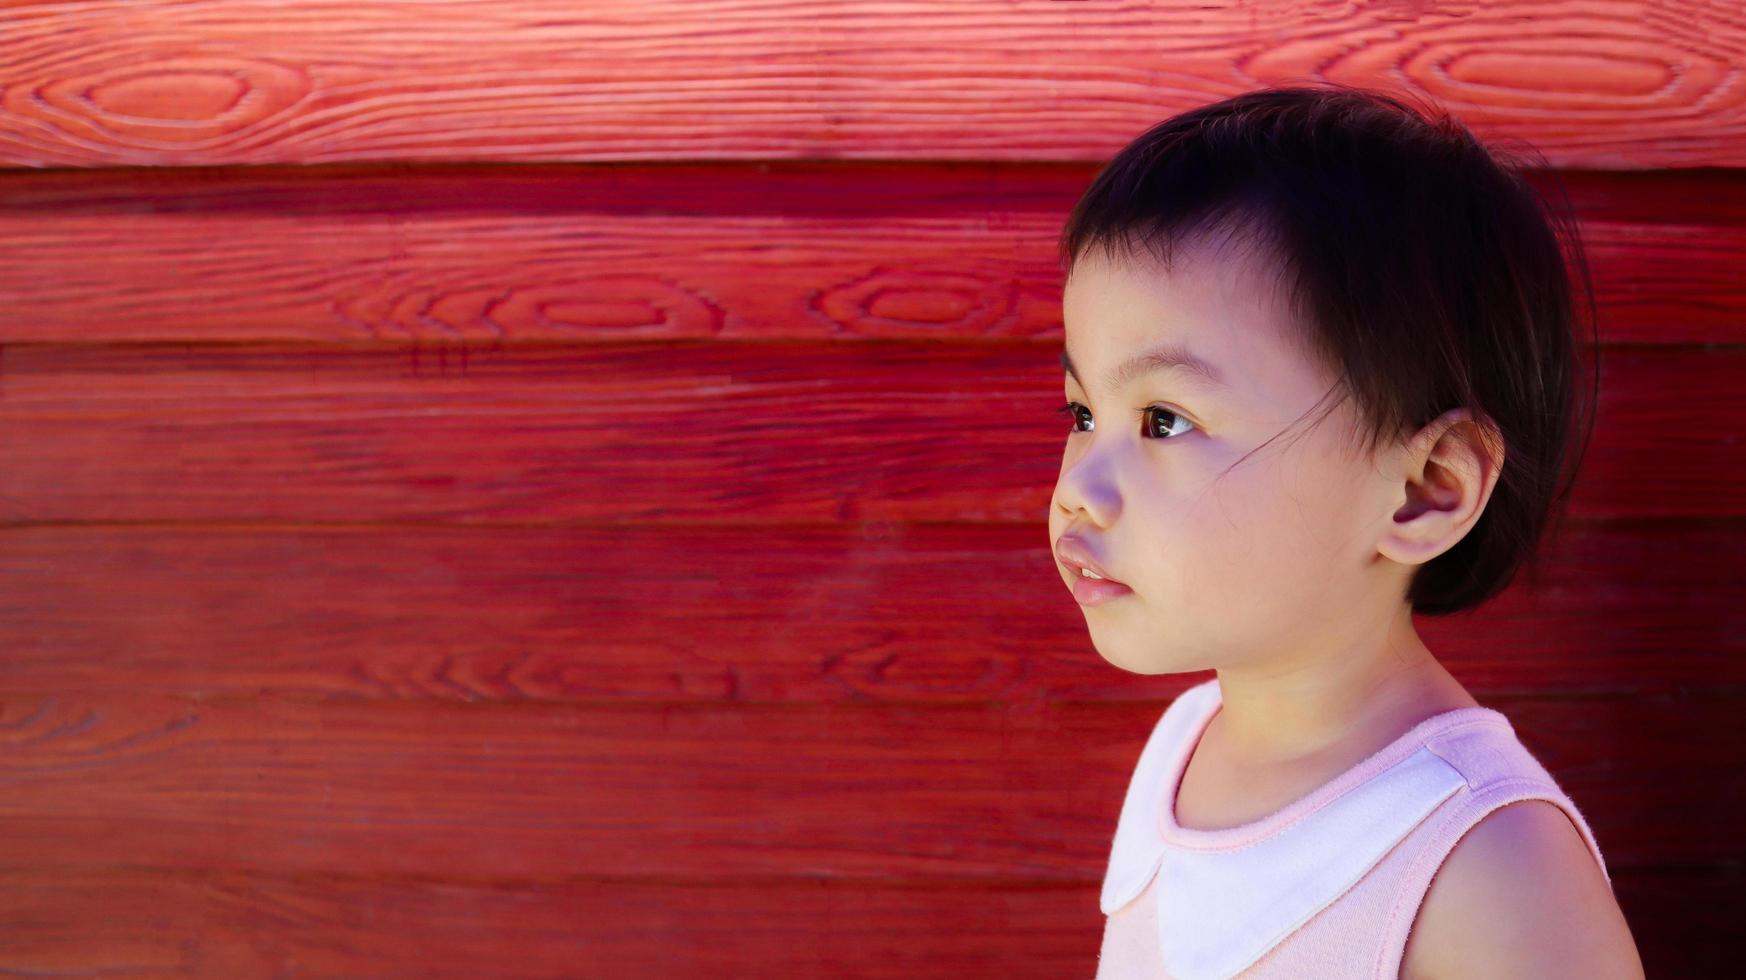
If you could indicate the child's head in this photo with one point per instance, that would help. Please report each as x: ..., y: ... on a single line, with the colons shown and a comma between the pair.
x: 1389, y: 311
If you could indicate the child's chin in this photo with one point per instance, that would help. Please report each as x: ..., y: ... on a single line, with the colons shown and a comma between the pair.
x: 1148, y: 666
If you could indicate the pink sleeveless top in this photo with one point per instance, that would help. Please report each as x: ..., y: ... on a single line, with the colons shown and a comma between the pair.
x: 1330, y: 885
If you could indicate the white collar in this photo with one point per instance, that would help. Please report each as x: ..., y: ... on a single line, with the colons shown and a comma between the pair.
x: 1225, y: 897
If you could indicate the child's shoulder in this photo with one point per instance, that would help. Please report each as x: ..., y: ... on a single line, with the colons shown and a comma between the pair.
x: 1521, y: 894
x: 1518, y: 873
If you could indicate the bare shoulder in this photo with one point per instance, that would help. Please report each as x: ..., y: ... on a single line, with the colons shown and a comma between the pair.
x: 1520, y: 896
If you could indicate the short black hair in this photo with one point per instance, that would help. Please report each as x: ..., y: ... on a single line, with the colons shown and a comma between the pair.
x: 1428, y: 272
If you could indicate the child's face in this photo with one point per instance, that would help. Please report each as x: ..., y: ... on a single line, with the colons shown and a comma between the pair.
x: 1278, y: 554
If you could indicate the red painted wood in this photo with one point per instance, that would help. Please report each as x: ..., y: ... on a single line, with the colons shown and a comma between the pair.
x: 613, y: 614
x: 170, y: 83
x: 543, y: 791
x: 682, y: 252
x: 221, y: 923
x: 478, y: 569
x: 669, y: 433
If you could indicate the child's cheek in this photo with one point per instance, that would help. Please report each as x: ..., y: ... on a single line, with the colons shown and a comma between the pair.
x: 1259, y: 549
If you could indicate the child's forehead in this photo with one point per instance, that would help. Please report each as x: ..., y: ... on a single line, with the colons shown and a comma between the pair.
x: 1195, y: 272
x: 1220, y: 306
x: 1216, y: 308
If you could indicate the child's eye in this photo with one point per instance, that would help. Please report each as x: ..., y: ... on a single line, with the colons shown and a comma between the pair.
x: 1072, y: 409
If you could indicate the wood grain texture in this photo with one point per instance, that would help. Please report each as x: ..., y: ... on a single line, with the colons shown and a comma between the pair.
x: 544, y: 791
x: 606, y: 614
x: 149, y: 922
x: 176, y: 83
x: 590, y: 255
x: 668, y: 433
x: 529, y: 489
x: 155, y: 923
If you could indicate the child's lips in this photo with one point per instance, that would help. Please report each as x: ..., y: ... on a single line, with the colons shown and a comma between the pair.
x: 1076, y: 555
x: 1091, y: 591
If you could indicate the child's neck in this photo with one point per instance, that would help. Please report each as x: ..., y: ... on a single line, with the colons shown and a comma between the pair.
x: 1281, y: 719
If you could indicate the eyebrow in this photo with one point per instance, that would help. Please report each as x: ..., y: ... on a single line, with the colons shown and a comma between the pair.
x: 1157, y: 359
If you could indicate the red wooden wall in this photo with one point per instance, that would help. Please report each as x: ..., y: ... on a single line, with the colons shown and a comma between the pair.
x: 544, y: 489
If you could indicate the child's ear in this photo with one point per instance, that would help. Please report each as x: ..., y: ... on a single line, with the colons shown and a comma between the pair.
x: 1447, y: 471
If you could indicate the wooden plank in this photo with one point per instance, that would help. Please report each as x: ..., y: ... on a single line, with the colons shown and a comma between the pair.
x: 147, y: 922
x: 375, y: 786
x: 170, y: 83
x: 607, y: 613
x: 460, y: 255
x: 668, y: 433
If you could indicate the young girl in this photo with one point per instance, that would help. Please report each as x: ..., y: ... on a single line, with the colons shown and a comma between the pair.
x: 1320, y: 373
